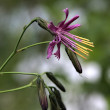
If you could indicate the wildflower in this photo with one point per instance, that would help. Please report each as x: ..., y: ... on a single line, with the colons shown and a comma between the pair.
x: 62, y: 35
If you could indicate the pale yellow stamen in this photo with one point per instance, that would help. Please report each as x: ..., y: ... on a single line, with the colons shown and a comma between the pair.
x: 87, y: 43
x: 82, y: 38
x: 83, y: 47
x: 83, y: 51
x: 80, y: 55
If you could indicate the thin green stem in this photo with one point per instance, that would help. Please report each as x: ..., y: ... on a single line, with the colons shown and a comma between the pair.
x: 34, y: 80
x: 42, y: 73
x: 22, y: 87
x: 15, y: 89
x: 24, y: 29
x: 24, y: 48
x: 14, y: 51
x: 7, y: 60
x: 48, y: 89
x: 36, y: 74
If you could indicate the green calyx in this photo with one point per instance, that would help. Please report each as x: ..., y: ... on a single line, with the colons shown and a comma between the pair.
x: 44, y: 24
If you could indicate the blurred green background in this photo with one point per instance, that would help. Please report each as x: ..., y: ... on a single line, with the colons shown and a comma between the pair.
x: 91, y: 90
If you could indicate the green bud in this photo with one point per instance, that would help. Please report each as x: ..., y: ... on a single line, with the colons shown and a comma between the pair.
x: 55, y: 81
x: 42, y: 94
x: 72, y: 56
x: 53, y: 102
x: 44, y: 24
x: 59, y: 98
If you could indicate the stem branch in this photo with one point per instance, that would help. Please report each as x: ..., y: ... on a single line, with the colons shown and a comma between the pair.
x: 7, y: 60
x: 24, y: 29
x: 48, y: 89
x: 14, y: 51
x: 15, y: 89
x: 36, y: 74
x: 24, y: 48
x: 22, y: 87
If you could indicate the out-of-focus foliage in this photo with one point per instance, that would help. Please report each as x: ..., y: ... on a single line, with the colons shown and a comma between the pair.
x: 14, y: 14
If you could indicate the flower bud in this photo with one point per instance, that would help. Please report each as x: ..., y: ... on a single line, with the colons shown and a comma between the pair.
x: 59, y: 98
x: 72, y: 56
x: 55, y: 81
x: 42, y: 94
x: 53, y: 102
x: 43, y: 24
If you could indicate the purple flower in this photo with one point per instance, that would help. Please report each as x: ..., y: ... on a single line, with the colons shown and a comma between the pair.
x: 62, y: 35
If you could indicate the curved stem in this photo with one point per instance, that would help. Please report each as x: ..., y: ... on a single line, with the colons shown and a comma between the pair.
x: 42, y: 73
x: 48, y: 89
x: 14, y: 51
x: 34, y: 80
x: 36, y: 74
x: 24, y: 29
x: 22, y: 87
x: 19, y: 50
x: 24, y: 48
x: 7, y: 60
x: 15, y: 89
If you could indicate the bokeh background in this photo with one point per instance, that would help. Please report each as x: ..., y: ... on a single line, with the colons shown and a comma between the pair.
x: 89, y: 91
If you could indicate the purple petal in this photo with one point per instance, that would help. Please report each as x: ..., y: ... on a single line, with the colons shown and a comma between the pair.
x: 57, y: 53
x: 58, y: 38
x: 68, y: 41
x: 70, y: 21
x: 66, y: 13
x: 50, y: 48
x: 69, y: 28
x: 52, y: 27
x: 71, y: 36
x: 68, y: 46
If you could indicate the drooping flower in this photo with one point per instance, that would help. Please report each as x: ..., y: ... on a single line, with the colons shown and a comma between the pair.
x: 62, y: 35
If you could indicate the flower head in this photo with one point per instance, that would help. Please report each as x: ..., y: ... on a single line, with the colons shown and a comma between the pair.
x: 62, y: 35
